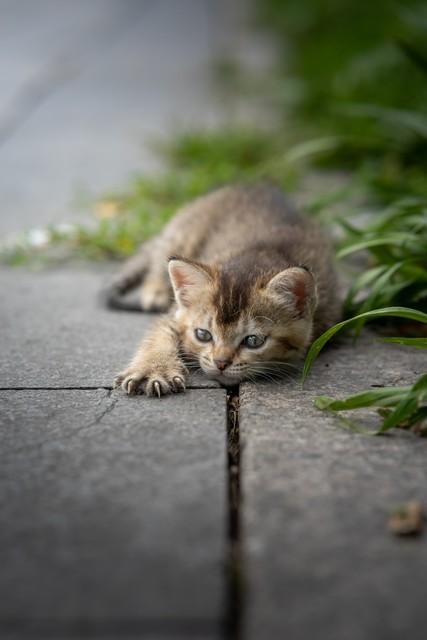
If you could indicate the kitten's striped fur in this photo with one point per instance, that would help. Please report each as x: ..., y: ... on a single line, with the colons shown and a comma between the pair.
x: 239, y: 261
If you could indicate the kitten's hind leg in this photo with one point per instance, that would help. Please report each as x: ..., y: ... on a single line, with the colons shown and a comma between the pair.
x: 128, y: 278
x: 147, y: 269
x: 156, y: 291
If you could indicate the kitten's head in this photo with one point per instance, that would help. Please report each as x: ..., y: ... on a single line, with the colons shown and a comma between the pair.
x: 241, y: 325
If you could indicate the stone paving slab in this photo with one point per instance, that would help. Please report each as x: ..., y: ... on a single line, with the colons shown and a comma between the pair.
x: 55, y: 333
x: 319, y: 560
x: 140, y: 70
x: 112, y: 510
x: 38, y: 47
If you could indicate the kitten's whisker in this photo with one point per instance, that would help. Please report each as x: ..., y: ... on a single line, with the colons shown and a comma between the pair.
x: 264, y: 318
x: 283, y: 363
x: 272, y: 374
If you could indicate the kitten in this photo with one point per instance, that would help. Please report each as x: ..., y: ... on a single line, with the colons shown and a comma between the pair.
x: 253, y: 282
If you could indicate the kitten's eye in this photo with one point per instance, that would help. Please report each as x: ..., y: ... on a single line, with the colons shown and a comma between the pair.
x: 203, y: 335
x: 253, y: 342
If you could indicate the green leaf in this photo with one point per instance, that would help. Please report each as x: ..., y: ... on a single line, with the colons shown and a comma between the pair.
x: 399, y: 118
x: 410, y: 342
x: 381, y: 291
x: 376, y: 397
x: 365, y: 279
x: 415, y: 55
x: 395, y: 312
x: 311, y: 148
x: 408, y: 405
x: 395, y: 239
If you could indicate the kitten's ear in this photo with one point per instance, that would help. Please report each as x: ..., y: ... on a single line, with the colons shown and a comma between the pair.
x: 295, y: 289
x: 188, y: 280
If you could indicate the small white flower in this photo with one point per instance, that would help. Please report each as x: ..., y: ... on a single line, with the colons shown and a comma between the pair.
x: 38, y: 237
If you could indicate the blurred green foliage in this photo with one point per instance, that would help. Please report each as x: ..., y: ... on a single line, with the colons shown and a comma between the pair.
x: 343, y: 51
x: 194, y: 163
x: 396, y: 241
x: 361, y: 74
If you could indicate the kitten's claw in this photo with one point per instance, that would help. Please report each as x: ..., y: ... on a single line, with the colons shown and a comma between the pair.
x: 157, y: 387
x: 151, y: 383
x: 132, y: 386
x: 178, y: 384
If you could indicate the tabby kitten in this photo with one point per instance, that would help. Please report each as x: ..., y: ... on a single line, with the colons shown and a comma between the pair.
x: 253, y: 282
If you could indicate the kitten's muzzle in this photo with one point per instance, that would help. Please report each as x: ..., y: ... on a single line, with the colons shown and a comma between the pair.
x: 221, y: 365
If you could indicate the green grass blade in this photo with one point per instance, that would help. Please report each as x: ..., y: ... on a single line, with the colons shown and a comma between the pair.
x: 381, y: 292
x: 375, y: 397
x: 394, y: 312
x: 408, y: 405
x: 416, y: 121
x: 415, y: 55
x: 307, y: 149
x: 395, y: 239
x: 421, y: 343
x: 364, y: 280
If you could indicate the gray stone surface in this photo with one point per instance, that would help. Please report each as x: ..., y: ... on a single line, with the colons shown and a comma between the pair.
x: 38, y: 46
x: 319, y: 560
x: 55, y: 332
x: 86, y: 84
x: 112, y: 512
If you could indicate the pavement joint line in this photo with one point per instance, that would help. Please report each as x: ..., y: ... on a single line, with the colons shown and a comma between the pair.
x: 44, y: 628
x: 234, y: 585
x: 91, y: 388
x: 53, y: 388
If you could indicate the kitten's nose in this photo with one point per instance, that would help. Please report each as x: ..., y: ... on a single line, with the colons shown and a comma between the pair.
x: 222, y: 364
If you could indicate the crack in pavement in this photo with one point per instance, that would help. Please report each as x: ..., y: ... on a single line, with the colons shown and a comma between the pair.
x: 111, y: 404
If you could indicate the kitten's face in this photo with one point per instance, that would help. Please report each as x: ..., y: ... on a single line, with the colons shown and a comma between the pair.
x: 238, y: 332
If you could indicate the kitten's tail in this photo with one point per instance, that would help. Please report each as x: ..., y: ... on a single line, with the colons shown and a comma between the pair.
x: 113, y: 296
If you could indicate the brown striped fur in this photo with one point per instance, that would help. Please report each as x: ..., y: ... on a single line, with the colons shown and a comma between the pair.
x: 245, y: 263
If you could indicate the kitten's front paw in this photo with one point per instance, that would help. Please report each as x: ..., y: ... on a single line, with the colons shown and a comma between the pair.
x: 151, y: 382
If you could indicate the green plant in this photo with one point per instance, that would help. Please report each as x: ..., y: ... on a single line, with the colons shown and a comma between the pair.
x: 397, y: 406
x: 396, y: 243
x: 357, y: 72
x: 404, y: 407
